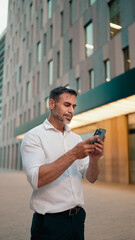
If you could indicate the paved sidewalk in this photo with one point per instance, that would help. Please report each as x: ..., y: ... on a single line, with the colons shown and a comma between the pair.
x: 110, y: 209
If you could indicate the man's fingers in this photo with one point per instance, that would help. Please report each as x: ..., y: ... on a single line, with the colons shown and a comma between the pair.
x: 99, y: 141
x: 89, y: 140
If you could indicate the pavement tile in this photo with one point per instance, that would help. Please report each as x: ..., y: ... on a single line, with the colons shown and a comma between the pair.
x: 110, y: 209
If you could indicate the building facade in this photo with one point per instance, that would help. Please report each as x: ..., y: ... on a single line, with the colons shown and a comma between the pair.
x: 2, y: 58
x: 85, y: 45
x: 2, y: 55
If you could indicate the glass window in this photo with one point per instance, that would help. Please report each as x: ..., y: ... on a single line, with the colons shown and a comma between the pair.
x: 45, y: 43
x: 4, y: 112
x: 31, y: 11
x: 23, y: 5
x: 50, y: 71
x: 38, y: 52
x: 89, y: 43
x: 8, y: 156
x: 17, y: 58
x: 30, y: 62
x: 47, y: 104
x: 62, y: 22
x: 49, y: 9
x: 16, y: 153
x: 7, y: 70
x: 8, y: 88
x: 24, y: 22
x: 13, y: 8
x: 126, y: 59
x: 16, y: 37
x: 39, y: 108
x: 31, y: 33
x: 37, y: 25
x: 10, y: 66
x: 70, y: 53
x: 91, y: 79
x: 27, y: 39
x: 78, y: 85
x: 91, y: 2
x: 41, y: 19
x: 51, y: 35
x: 20, y: 119
x: 4, y: 157
x: 16, y: 100
x: 13, y: 104
x: 20, y: 29
x: 71, y: 11
x: 21, y: 97
x: 24, y: 45
x: 18, y: 14
x: 24, y: 118
x: 11, y: 128
x: 7, y: 131
x: 3, y: 133
x: 28, y: 91
x: 33, y: 86
x: 34, y: 111
x: 11, y: 29
x: 20, y: 74
x: 115, y: 25
x: 29, y: 114
x: 107, y: 70
x: 58, y: 64
x: 38, y: 82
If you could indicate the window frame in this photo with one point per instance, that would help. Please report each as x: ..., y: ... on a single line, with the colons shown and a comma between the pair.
x: 89, y: 45
x: 107, y: 76
x: 50, y: 72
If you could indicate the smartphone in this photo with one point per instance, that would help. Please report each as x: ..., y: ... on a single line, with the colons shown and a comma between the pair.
x: 100, y: 132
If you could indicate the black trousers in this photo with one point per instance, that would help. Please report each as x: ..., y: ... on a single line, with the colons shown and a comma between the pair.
x: 58, y: 226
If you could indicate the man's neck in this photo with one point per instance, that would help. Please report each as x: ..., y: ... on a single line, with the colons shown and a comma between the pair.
x: 57, y: 124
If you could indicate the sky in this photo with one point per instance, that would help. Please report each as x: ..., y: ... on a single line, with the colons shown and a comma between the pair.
x: 3, y: 14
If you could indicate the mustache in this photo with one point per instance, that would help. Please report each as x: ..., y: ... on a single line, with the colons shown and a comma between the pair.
x: 68, y: 115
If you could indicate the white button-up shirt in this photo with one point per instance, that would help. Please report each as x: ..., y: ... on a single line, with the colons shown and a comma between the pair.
x: 44, y: 144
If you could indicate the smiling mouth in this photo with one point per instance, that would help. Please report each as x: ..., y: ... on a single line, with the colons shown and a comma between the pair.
x: 68, y: 117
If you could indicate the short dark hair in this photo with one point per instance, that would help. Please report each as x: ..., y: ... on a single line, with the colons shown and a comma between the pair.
x: 56, y: 92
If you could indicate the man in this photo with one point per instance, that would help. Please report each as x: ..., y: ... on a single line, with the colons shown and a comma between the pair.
x: 54, y: 159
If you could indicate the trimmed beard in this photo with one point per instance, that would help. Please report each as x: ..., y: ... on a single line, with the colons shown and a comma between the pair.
x: 58, y: 116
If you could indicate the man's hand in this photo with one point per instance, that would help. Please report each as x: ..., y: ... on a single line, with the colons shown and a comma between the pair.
x: 83, y: 149
x: 99, y: 149
x: 93, y: 170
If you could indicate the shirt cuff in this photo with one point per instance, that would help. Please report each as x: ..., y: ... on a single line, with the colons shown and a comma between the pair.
x: 32, y: 176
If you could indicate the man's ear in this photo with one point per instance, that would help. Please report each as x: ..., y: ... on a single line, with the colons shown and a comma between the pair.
x: 51, y: 104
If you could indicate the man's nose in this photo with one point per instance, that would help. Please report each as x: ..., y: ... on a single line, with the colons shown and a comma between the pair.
x: 71, y: 109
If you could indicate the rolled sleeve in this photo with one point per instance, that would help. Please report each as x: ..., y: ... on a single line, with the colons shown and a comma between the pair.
x: 33, y: 157
x: 32, y: 177
x: 83, y: 166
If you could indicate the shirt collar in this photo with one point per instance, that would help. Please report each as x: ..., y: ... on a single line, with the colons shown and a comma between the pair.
x: 48, y: 125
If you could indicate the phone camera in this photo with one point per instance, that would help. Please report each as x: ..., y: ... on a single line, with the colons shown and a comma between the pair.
x: 99, y: 132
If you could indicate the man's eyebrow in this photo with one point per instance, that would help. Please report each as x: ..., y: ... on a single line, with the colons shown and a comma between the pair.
x: 70, y: 104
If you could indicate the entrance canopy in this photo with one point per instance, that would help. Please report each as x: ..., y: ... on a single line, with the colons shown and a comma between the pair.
x: 108, y: 100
